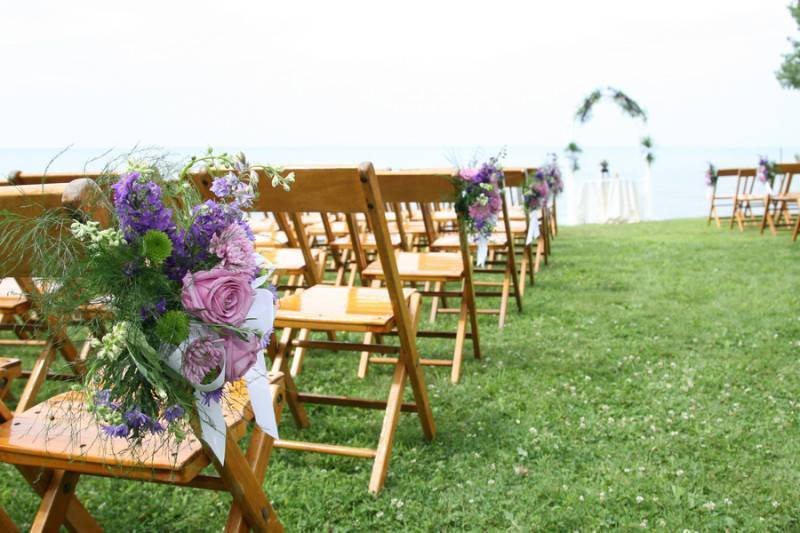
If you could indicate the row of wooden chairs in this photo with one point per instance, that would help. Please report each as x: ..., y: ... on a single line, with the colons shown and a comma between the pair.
x: 740, y: 199
x: 393, y: 276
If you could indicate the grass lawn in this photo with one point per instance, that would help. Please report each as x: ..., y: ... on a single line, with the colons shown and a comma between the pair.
x: 652, y: 381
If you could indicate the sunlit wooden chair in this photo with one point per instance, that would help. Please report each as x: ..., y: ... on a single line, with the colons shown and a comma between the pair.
x: 321, y: 307
x: 435, y: 269
x: 502, y: 248
x: 745, y: 200
x: 53, y: 443
x: 721, y: 199
x: 780, y: 209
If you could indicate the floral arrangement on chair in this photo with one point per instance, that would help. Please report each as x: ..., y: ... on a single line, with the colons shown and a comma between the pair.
x: 479, y: 202
x: 535, y: 198
x: 711, y: 175
x: 185, y: 292
x: 550, y: 173
x: 766, y: 172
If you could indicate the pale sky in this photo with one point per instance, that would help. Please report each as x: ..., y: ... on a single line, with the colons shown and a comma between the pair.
x: 181, y: 73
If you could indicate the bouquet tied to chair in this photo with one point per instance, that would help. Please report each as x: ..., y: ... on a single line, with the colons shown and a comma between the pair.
x: 187, y: 308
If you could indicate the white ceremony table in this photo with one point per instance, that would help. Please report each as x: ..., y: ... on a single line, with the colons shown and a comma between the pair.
x: 608, y: 201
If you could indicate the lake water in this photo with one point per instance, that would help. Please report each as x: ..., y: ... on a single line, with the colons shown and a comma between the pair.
x: 678, y: 187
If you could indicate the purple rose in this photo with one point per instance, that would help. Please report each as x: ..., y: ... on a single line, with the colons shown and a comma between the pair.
x: 240, y: 355
x: 218, y: 296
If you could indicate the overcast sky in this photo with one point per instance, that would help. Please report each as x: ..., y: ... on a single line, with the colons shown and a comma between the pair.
x: 175, y: 73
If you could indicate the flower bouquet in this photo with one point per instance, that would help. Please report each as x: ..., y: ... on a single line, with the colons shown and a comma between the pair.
x: 479, y: 202
x: 711, y: 180
x: 551, y: 174
x: 185, y: 292
x: 766, y: 173
x: 535, y: 198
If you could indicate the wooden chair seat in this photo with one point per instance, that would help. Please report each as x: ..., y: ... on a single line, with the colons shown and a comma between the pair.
x: 338, y: 228
x: 263, y: 225
x: 287, y: 260
x: 367, y: 241
x: 447, y: 215
x: 270, y: 240
x: 424, y: 266
x: 516, y: 212
x: 450, y: 241
x: 518, y: 227
x: 59, y: 433
x: 14, y: 304
x: 415, y: 227
x: 326, y: 308
x: 10, y: 368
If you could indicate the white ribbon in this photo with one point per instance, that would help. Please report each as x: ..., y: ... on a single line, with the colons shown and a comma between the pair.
x: 769, y: 188
x: 709, y: 192
x: 533, y: 227
x: 483, y: 251
x: 212, y: 422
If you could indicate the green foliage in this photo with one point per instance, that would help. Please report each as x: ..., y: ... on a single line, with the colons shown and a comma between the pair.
x: 789, y: 73
x: 156, y: 246
x: 173, y: 327
x: 647, y: 148
x: 572, y: 150
x: 627, y: 104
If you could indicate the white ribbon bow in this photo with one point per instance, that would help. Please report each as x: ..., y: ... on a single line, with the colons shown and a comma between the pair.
x: 533, y: 227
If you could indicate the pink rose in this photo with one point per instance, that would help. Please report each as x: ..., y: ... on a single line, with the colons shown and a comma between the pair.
x: 240, y: 355
x: 218, y: 296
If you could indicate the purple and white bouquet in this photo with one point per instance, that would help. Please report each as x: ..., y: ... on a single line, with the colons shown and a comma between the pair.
x: 766, y: 173
x: 535, y: 199
x: 550, y: 173
x: 479, y: 202
x: 186, y: 300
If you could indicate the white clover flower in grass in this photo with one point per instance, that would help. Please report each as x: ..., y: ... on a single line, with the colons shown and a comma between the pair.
x: 709, y: 506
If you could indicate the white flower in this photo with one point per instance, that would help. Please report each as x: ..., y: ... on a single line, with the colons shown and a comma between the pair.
x: 112, y: 344
x: 639, y: 499
x: 709, y: 506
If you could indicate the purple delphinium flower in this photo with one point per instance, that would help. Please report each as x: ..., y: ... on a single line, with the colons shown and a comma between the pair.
x: 230, y: 187
x: 135, y: 419
x: 120, y: 430
x: 153, y: 311
x: 213, y: 396
x: 173, y: 413
x: 138, y: 204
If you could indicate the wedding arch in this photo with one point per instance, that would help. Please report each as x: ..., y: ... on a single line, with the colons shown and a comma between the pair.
x: 629, y: 107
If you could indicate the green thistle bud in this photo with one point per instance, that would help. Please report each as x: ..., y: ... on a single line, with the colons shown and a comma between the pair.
x: 156, y: 246
x: 173, y: 327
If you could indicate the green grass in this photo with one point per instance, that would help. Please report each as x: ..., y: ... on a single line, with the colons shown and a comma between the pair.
x: 652, y: 380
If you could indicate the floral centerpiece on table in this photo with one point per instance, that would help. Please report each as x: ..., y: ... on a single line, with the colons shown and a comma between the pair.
x: 185, y: 292
x: 766, y: 172
x: 479, y: 202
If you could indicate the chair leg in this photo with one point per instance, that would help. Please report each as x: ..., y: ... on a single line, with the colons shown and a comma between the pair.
x: 56, y: 499
x: 246, y: 490
x: 258, y: 454
x: 540, y: 251
x: 435, y: 302
x: 299, y: 354
x: 458, y: 352
x: 392, y: 415
x: 36, y: 379
x: 6, y: 524
x: 504, y: 295
x: 280, y: 364
x: 363, y: 363
x: 796, y: 229
x: 529, y: 252
x: 77, y: 517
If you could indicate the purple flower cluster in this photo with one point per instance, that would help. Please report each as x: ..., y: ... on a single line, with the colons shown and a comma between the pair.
x: 138, y: 204
x: 766, y: 171
x: 711, y: 175
x: 551, y: 174
x: 232, y: 188
x: 537, y: 193
x: 481, y: 193
x: 135, y: 421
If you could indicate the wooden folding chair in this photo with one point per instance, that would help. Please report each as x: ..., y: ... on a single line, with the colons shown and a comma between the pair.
x: 54, y: 443
x: 502, y: 253
x: 430, y: 268
x: 744, y: 200
x: 779, y: 211
x: 349, y: 190
x: 724, y: 200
